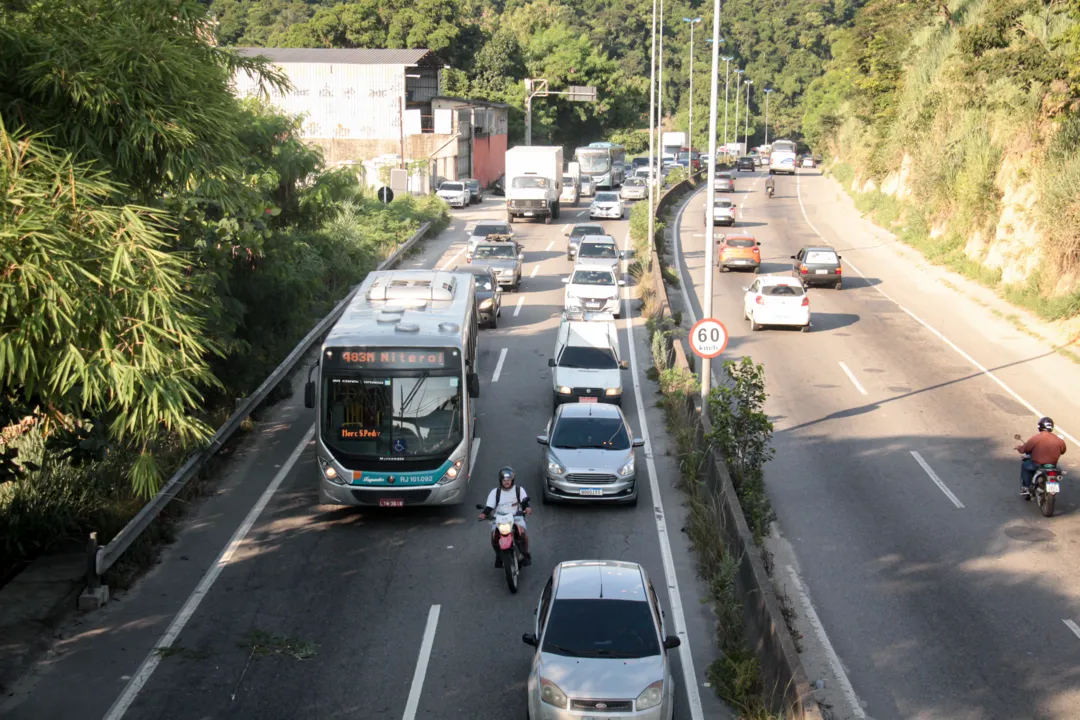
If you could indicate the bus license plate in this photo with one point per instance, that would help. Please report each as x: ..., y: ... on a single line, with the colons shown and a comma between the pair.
x: 391, y: 502
x: 1053, y: 487
x: 595, y: 492
x: 587, y: 399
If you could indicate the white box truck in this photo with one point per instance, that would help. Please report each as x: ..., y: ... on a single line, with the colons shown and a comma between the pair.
x: 534, y: 182
x: 671, y: 143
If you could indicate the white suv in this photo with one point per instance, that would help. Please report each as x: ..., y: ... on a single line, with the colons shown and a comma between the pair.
x: 587, y: 366
x: 593, y: 289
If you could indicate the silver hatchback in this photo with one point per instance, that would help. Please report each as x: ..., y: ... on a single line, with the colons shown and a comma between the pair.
x: 589, y: 455
x: 600, y: 645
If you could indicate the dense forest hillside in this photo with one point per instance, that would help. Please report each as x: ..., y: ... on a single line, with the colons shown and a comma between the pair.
x: 958, y: 125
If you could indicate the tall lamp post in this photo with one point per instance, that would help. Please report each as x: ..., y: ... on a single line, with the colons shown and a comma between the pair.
x: 693, y: 22
x: 727, y: 76
x: 746, y: 139
x: 738, y: 81
x: 768, y: 92
x: 653, y: 170
x: 660, y: 91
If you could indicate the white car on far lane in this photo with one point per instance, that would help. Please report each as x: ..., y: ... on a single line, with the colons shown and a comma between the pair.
x: 777, y: 300
x: 456, y: 194
x: 593, y: 289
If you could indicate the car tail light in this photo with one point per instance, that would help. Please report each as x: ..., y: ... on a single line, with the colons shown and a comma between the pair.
x: 802, y: 269
x: 839, y: 269
x: 806, y: 301
x: 759, y: 300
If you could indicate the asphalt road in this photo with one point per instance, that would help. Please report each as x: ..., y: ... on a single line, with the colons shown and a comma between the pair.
x: 323, y: 612
x: 940, y: 592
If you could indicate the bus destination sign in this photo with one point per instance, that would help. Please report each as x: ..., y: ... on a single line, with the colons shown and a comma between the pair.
x: 385, y: 358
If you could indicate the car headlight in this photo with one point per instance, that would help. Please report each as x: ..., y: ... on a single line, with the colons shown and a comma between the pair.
x: 487, y: 304
x: 613, y: 391
x: 552, y: 694
x: 554, y: 467
x: 651, y: 696
x: 628, y: 468
x: 452, y: 471
x: 330, y: 473
x: 564, y: 390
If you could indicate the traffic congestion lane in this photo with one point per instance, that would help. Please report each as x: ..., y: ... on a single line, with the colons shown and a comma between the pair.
x: 867, y: 575
x: 347, y: 609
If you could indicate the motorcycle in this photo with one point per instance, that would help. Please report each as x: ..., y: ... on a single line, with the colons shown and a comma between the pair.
x: 505, y: 533
x: 1045, y: 485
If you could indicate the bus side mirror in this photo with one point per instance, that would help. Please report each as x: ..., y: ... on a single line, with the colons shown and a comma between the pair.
x: 472, y: 382
x: 309, y: 394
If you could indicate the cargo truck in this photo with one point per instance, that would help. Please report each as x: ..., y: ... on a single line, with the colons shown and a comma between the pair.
x: 534, y: 182
x: 671, y: 143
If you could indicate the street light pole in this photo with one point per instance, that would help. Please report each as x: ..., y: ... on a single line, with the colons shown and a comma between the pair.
x: 652, y: 108
x: 660, y: 90
x: 693, y: 22
x: 738, y: 82
x: 746, y: 139
x: 768, y: 92
x: 710, y: 198
x: 727, y: 77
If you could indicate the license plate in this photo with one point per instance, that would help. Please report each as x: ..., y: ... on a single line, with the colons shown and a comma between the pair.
x: 587, y: 399
x: 1053, y: 487
x: 822, y: 272
x: 391, y: 502
x: 530, y: 213
x: 593, y: 492
x: 592, y: 305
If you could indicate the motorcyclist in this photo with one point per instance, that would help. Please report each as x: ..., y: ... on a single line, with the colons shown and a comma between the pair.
x: 509, y: 496
x: 770, y: 185
x: 1045, y: 448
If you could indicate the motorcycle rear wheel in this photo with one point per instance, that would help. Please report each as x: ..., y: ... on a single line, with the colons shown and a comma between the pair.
x: 511, y: 569
x: 1046, y: 503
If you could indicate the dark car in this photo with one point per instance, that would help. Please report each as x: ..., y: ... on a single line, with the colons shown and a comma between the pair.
x: 498, y: 188
x: 488, y: 293
x: 818, y: 265
x: 639, y: 162
x: 475, y: 191
x: 745, y: 163
x: 573, y: 238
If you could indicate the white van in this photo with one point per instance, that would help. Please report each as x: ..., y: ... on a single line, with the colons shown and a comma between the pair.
x: 587, y: 366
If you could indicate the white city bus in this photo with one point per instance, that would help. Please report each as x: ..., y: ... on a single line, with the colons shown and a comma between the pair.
x: 604, y: 162
x: 782, y: 157
x: 394, y: 392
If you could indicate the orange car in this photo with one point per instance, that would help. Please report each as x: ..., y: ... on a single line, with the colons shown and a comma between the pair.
x: 737, y: 251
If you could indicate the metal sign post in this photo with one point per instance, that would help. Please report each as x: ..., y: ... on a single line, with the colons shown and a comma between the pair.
x: 538, y: 87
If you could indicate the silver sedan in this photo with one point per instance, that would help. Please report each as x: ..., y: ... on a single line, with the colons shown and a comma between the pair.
x: 589, y: 455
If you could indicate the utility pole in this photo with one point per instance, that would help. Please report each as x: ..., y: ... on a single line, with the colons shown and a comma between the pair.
x: 710, y: 199
x: 768, y: 92
x: 693, y: 22
x: 738, y: 81
x: 653, y: 170
x: 660, y: 93
x: 747, y: 137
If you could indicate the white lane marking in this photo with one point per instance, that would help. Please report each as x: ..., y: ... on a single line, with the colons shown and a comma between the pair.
x: 473, y: 451
x: 521, y: 301
x: 979, y: 366
x: 686, y: 658
x: 536, y: 269
x: 498, y: 365
x: 566, y: 228
x: 937, y: 481
x: 1072, y: 626
x: 453, y: 259
x: 549, y: 246
x: 853, y: 379
x: 413, y: 703
x: 150, y: 663
x: 834, y: 659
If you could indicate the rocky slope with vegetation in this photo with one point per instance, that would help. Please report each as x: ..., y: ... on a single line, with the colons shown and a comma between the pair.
x: 957, y: 126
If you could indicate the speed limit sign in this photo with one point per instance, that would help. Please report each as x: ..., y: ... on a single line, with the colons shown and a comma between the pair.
x: 708, y: 338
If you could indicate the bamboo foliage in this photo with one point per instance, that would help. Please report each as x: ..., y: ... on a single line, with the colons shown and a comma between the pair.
x: 94, y: 321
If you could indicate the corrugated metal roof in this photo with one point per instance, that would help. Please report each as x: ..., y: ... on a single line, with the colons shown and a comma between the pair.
x: 349, y: 56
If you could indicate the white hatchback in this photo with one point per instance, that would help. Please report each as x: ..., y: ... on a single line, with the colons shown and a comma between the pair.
x: 777, y: 300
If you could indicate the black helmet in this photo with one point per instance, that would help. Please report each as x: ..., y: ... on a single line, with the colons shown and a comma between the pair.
x: 1046, y: 424
x: 507, y: 473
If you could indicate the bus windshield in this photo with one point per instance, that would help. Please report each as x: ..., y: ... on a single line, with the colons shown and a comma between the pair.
x: 595, y: 161
x: 783, y: 146
x: 380, y: 415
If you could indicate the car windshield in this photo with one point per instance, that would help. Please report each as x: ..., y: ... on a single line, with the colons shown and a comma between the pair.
x: 821, y: 257
x: 598, y: 250
x: 590, y: 433
x: 601, y: 629
x: 782, y: 290
x: 606, y: 197
x: 483, y: 282
x: 583, y: 230
x: 724, y: 176
x: 383, y: 416
x: 495, y: 251
x: 452, y: 187
x: 633, y: 182
x: 585, y: 357
x: 485, y: 230
x: 723, y: 204
x: 568, y: 180
x: 529, y: 181
x: 473, y: 184
x: 739, y: 242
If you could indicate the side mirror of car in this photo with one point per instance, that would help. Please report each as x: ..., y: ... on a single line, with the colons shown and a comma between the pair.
x: 794, y: 258
x: 624, y: 364
x: 542, y: 439
x: 566, y: 281
x: 472, y: 382
x: 670, y: 642
x: 746, y: 288
x: 309, y: 394
x: 551, y: 362
x: 839, y: 257
x: 759, y: 243
x: 530, y: 639
x: 639, y: 442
